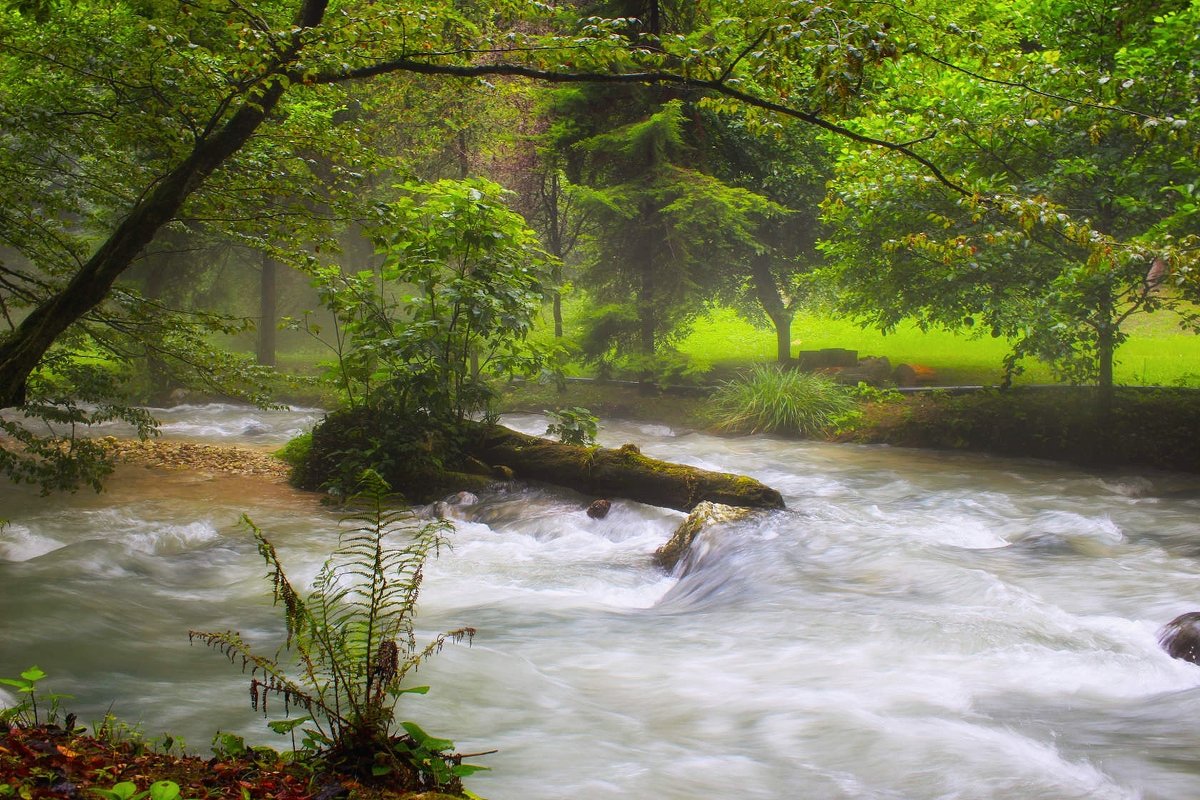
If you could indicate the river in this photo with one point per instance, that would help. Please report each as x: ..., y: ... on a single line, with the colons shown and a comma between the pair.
x: 917, y: 625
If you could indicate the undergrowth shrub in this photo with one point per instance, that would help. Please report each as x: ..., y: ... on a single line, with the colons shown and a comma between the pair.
x: 352, y: 645
x: 767, y: 399
x: 409, y: 450
x: 573, y: 425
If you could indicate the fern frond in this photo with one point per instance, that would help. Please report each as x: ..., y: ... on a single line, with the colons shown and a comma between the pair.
x: 272, y: 681
x: 353, y: 635
x: 295, y: 612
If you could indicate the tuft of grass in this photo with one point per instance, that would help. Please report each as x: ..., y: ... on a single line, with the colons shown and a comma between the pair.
x: 767, y: 399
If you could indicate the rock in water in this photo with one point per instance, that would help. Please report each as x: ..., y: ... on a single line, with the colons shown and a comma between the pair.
x: 599, y: 509
x: 702, y: 516
x: 1181, y: 637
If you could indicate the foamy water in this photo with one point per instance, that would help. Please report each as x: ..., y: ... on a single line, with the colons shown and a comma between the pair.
x: 914, y: 626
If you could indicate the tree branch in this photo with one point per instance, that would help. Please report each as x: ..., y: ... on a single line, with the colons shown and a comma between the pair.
x: 649, y: 77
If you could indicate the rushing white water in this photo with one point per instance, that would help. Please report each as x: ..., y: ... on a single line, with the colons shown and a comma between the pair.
x: 916, y: 625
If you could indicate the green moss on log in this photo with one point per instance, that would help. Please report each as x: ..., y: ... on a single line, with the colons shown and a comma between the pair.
x: 622, y: 472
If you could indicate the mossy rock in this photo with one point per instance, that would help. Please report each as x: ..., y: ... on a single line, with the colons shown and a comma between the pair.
x: 702, y: 516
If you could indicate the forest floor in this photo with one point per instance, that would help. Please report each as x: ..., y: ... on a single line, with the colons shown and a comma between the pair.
x: 45, y: 762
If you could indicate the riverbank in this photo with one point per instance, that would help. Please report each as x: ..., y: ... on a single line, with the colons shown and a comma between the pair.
x: 182, y: 455
x: 46, y: 761
x: 1155, y: 428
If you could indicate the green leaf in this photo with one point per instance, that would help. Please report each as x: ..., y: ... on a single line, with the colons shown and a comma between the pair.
x: 463, y: 770
x: 125, y: 790
x: 424, y: 740
x: 33, y: 674
x: 287, y: 725
x: 164, y: 790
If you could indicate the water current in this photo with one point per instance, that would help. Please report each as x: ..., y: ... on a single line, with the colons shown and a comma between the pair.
x: 916, y: 625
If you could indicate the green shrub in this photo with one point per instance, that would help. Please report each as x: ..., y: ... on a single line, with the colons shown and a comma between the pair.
x: 409, y: 451
x: 296, y: 451
x: 767, y: 399
x: 573, y: 425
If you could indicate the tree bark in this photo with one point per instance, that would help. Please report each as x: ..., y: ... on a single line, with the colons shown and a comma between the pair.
x: 267, y: 312
x: 783, y: 337
x: 624, y: 472
x: 767, y: 292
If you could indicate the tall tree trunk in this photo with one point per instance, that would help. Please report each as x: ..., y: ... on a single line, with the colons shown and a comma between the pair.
x: 767, y: 292
x: 1106, y: 335
x: 554, y: 241
x: 1105, y: 348
x: 156, y: 368
x: 267, y: 311
x: 25, y: 346
x: 783, y: 337
x: 556, y: 306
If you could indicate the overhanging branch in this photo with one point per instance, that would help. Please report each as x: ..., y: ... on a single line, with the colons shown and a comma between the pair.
x: 648, y: 77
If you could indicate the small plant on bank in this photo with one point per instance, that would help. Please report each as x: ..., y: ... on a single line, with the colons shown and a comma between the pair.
x: 767, y: 399
x: 573, y: 425
x: 26, y: 712
x: 354, y: 644
x: 127, y: 790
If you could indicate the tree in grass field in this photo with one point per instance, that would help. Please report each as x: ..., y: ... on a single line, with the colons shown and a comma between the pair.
x: 1082, y: 169
x: 773, y: 276
x: 665, y: 228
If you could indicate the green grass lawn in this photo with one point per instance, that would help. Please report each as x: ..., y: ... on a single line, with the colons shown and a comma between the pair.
x: 1158, y: 351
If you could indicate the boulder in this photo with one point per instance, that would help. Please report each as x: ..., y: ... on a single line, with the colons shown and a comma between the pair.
x: 599, y: 509
x: 704, y: 515
x: 914, y: 375
x: 1181, y: 637
x: 827, y: 357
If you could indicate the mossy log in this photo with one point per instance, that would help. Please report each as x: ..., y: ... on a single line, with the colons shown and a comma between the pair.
x: 623, y: 472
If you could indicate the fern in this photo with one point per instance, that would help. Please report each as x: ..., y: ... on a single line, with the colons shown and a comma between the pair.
x: 353, y: 641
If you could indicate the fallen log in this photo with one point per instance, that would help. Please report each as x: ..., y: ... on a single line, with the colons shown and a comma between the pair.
x: 622, y: 472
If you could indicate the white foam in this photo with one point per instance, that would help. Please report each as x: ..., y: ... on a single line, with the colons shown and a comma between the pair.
x: 19, y: 543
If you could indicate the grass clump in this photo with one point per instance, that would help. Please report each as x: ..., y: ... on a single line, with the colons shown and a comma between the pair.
x: 768, y: 399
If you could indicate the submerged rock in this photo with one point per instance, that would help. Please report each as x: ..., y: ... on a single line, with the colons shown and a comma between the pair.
x: 448, y: 507
x: 1181, y: 637
x: 704, y: 515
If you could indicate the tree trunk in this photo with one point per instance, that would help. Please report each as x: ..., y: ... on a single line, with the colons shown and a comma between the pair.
x: 624, y: 472
x: 773, y: 304
x: 1105, y: 347
x: 267, y: 311
x: 783, y: 337
x: 557, y: 311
